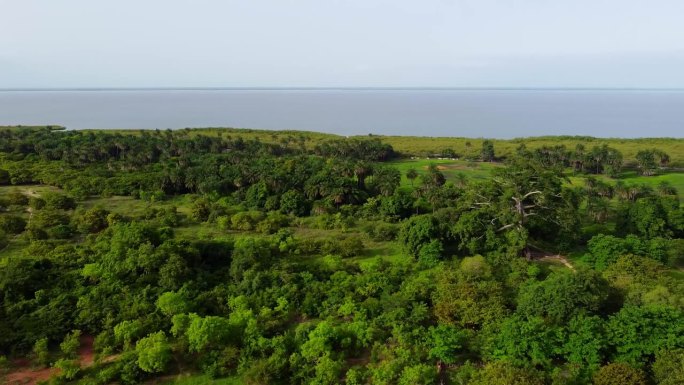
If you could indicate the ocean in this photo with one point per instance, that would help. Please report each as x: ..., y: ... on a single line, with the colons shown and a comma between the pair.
x: 487, y: 113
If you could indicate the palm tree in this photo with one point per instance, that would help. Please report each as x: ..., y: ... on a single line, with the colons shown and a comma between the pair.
x: 411, y: 174
x: 362, y: 170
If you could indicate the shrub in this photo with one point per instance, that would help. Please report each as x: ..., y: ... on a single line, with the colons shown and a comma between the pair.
x: 223, y: 222
x: 69, y: 369
x: 382, y: 231
x: 17, y: 198
x: 12, y: 224
x: 41, y: 353
x: 58, y: 201
x: 220, y: 363
x: 71, y: 343
x: 329, y: 246
x: 350, y: 247
x: 293, y: 202
x: 619, y: 374
x: 273, y: 222
x: 201, y: 210
x: 430, y: 253
x: 417, y: 231
x: 246, y: 220
x: 4, y: 240
x: 93, y: 220
x: 36, y: 203
x: 153, y: 352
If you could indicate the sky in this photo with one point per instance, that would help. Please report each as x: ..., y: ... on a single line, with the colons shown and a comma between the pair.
x: 341, y: 43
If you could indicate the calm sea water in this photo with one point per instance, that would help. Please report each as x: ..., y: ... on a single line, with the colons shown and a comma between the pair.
x: 471, y: 113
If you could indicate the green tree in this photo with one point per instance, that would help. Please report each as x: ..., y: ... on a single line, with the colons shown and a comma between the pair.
x: 430, y: 253
x: 418, y: 231
x: 4, y: 177
x: 4, y: 240
x: 523, y: 200
x: 619, y: 374
x: 201, y: 209
x: 12, y: 224
x: 562, y: 295
x: 525, y: 342
x: 68, y: 369
x: 386, y: 180
x: 293, y: 202
x: 154, y: 352
x: 668, y: 368
x: 487, y: 153
x: 469, y: 297
x: 71, y: 344
x: 93, y: 220
x: 421, y: 374
x: 41, y: 353
x: 503, y: 373
x: 638, y: 333
x: 207, y: 332
x: 646, y: 160
x: 411, y: 174
x: 58, y: 201
x: 171, y: 303
x: 446, y: 341
x: 585, y: 343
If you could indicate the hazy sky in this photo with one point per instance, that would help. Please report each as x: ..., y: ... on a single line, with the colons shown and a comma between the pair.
x: 242, y: 43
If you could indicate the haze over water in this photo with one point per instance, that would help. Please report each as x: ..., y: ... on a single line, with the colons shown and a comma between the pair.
x: 420, y: 112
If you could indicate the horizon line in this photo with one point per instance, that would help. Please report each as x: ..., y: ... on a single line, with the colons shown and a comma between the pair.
x: 332, y: 88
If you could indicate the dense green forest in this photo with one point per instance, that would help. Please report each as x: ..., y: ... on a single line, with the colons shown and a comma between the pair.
x: 233, y: 257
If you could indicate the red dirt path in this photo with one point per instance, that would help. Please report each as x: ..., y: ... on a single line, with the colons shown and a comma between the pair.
x: 21, y: 372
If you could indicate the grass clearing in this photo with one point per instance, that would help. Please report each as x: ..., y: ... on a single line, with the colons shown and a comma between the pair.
x: 453, y: 170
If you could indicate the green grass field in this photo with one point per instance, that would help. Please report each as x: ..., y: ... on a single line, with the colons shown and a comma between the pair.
x: 452, y: 169
x: 423, y: 146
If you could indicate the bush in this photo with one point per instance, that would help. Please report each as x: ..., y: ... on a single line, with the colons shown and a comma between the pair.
x: 273, y: 222
x: 154, y: 352
x: 294, y: 203
x: 92, y: 221
x: 60, y: 232
x: 430, y: 254
x: 4, y: 177
x: 4, y: 240
x: 58, y: 201
x: 417, y: 231
x: 619, y: 374
x: 69, y: 369
x: 220, y: 363
x: 12, y: 224
x: 223, y: 222
x: 71, y: 343
x: 329, y: 246
x: 335, y: 221
x: 350, y: 247
x: 36, y: 203
x: 307, y: 246
x: 382, y: 231
x: 151, y: 196
x: 246, y: 220
x: 17, y: 198
x: 40, y: 352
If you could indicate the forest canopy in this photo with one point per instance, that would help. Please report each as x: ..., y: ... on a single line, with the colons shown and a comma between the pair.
x: 177, y: 254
